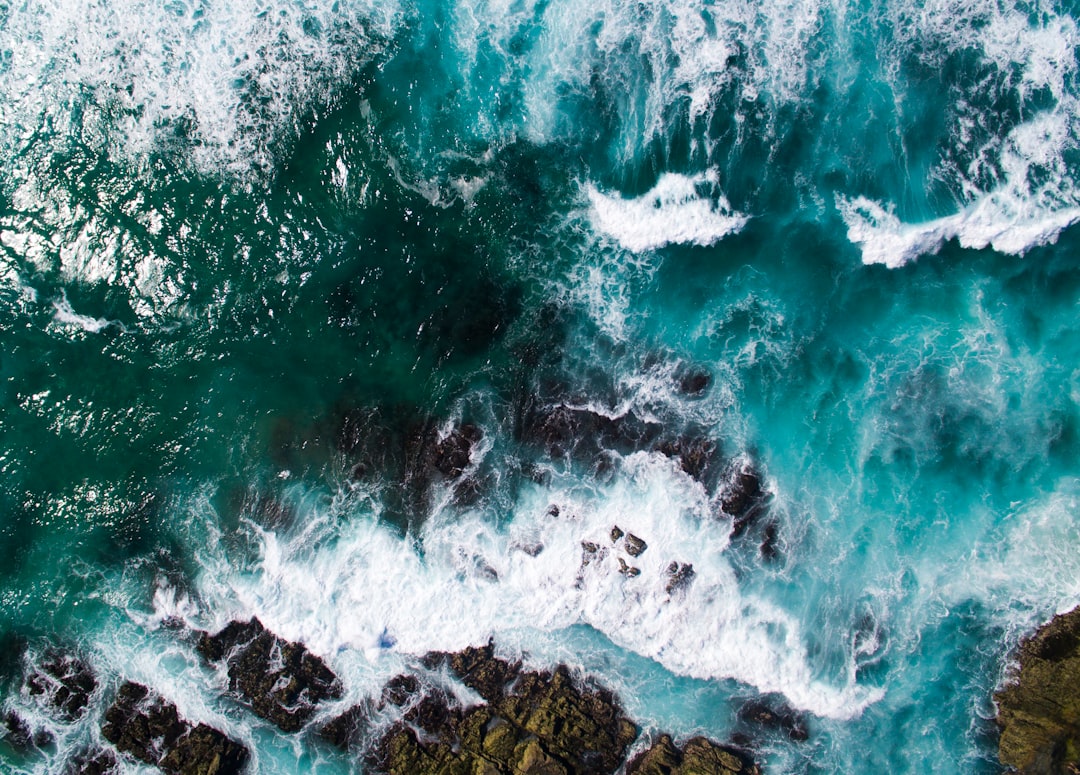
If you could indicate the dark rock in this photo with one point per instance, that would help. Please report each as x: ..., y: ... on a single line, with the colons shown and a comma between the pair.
x: 65, y: 682
x: 453, y: 453
x: 543, y: 725
x: 616, y: 534
x: 1038, y: 712
x: 479, y: 669
x: 697, y: 457
x: 628, y: 570
x: 694, y: 382
x: 589, y: 552
x: 282, y: 682
x: 553, y: 510
x: 661, y: 758
x: 698, y: 756
x: 635, y: 546
x: 144, y: 725
x: 21, y: 735
x: 204, y: 751
x: 400, y: 689
x: 769, y: 540
x: 679, y: 576
x: 775, y: 715
x: 343, y: 731
x: 96, y: 762
x: 434, y: 715
x: 583, y: 728
x: 743, y: 498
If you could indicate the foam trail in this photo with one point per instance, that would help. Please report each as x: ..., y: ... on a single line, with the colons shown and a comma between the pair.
x: 474, y: 580
x: 64, y: 314
x: 1012, y: 175
x: 674, y: 211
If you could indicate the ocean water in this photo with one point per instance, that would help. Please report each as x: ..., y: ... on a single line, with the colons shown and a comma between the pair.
x: 249, y: 250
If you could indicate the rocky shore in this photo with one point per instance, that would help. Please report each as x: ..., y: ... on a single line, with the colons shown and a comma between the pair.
x: 518, y: 722
x: 1039, y: 707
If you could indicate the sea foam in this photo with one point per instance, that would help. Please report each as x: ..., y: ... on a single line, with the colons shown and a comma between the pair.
x: 462, y: 579
x: 674, y: 211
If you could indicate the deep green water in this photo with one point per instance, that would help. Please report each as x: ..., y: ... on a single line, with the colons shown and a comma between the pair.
x: 244, y: 249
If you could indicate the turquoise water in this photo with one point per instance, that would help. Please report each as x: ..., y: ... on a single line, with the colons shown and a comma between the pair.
x: 247, y: 249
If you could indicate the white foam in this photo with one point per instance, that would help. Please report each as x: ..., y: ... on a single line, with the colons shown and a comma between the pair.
x: 674, y: 211
x: 126, y: 77
x: 656, y: 56
x: 374, y: 596
x: 1018, y: 191
x: 1001, y: 220
x: 64, y: 314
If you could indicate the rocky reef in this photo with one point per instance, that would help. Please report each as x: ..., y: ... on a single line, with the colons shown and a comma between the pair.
x: 1039, y: 707
x: 282, y: 682
x: 466, y: 712
x: 531, y: 723
x: 147, y: 727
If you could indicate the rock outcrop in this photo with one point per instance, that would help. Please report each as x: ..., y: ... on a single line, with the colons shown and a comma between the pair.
x: 147, y: 727
x: 1039, y: 708
x: 60, y: 685
x: 533, y: 723
x: 281, y: 681
x: 698, y: 756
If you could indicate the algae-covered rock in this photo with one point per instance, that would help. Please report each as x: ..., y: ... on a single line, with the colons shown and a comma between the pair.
x: 698, y: 756
x: 533, y: 724
x: 479, y: 669
x: 147, y: 727
x: 1039, y: 708
x: 282, y: 681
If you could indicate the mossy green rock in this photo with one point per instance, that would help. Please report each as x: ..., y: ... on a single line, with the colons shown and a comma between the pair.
x: 699, y: 756
x: 544, y: 725
x: 534, y: 723
x: 1039, y: 709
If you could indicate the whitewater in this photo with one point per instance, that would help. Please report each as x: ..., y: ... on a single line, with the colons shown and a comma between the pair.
x: 263, y: 263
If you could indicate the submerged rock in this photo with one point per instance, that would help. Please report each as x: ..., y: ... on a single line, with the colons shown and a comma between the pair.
x: 698, y: 756
x: 99, y: 761
x: 566, y: 431
x: 775, y: 715
x: 697, y: 456
x: 679, y: 576
x: 20, y: 734
x: 147, y: 727
x: 694, y: 382
x: 65, y: 682
x: 1038, y: 708
x: 453, y: 454
x: 281, y: 681
x: 743, y: 498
